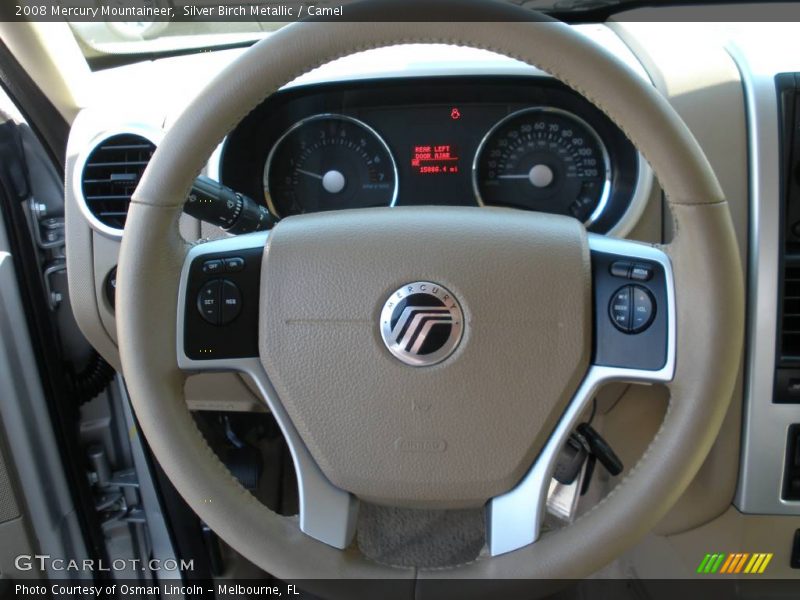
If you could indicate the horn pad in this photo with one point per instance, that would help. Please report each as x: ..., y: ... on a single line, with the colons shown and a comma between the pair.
x: 425, y: 354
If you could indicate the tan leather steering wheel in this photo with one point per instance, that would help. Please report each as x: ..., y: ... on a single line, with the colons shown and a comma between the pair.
x: 347, y: 404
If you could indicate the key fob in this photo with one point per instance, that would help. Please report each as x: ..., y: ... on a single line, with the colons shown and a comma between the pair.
x: 570, y: 461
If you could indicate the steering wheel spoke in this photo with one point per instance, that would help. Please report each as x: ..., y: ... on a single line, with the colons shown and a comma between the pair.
x: 634, y: 341
x: 218, y: 331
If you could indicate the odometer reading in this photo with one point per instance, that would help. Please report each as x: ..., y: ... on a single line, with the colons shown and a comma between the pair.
x: 329, y: 162
x: 543, y: 159
x: 434, y: 159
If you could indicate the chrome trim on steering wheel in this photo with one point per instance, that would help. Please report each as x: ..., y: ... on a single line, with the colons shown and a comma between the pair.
x: 514, y: 518
x: 327, y: 513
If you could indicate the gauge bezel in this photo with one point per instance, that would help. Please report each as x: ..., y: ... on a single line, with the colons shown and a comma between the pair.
x: 320, y: 117
x: 605, y: 194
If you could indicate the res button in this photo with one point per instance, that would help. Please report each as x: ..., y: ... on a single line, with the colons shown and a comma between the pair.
x: 230, y: 301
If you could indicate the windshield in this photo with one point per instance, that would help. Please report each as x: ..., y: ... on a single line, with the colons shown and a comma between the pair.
x: 103, y: 38
x: 170, y: 26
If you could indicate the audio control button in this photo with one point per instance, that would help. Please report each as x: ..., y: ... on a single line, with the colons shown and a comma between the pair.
x: 641, y: 272
x: 632, y: 309
x: 619, y: 309
x: 644, y: 309
x: 621, y: 269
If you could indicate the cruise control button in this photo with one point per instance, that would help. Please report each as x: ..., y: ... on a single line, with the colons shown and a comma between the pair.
x: 208, y: 301
x: 234, y: 265
x: 619, y: 309
x: 621, y: 269
x: 643, y: 309
x: 641, y: 272
x: 231, y: 302
x: 212, y: 266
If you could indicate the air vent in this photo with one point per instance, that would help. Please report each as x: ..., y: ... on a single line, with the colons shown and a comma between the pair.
x: 789, y: 284
x: 787, y: 362
x: 790, y: 326
x: 110, y: 175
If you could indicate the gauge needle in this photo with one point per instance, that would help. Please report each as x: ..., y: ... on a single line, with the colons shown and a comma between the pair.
x: 333, y: 181
x: 540, y: 176
x: 309, y: 173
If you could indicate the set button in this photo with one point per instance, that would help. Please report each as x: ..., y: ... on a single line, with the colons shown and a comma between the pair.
x: 208, y: 301
x: 632, y: 309
x: 219, y: 301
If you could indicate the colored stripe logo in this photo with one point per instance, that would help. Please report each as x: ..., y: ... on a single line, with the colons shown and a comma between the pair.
x: 734, y: 563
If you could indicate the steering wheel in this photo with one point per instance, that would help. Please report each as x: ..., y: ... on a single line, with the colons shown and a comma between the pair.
x: 431, y: 358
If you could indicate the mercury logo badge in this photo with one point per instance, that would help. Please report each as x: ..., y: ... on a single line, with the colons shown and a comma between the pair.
x: 422, y: 323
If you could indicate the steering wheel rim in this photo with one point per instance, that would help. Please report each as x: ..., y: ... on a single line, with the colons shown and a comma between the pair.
x: 703, y: 252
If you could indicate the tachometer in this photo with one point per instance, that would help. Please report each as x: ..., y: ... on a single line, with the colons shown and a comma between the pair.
x: 329, y: 162
x: 543, y: 159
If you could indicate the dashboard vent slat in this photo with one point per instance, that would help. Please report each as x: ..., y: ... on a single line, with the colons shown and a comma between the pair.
x: 110, y: 175
x: 790, y: 312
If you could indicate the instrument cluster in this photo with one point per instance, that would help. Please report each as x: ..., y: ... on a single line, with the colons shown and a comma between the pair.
x: 523, y: 142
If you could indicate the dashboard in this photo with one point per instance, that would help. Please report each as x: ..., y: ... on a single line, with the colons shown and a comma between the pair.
x: 522, y: 142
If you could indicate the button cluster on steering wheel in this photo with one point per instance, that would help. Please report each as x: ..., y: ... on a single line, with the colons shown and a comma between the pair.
x: 632, y: 309
x: 219, y: 301
x: 220, y: 311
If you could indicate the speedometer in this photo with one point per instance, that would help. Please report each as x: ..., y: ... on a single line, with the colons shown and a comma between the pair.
x: 329, y: 162
x: 543, y: 159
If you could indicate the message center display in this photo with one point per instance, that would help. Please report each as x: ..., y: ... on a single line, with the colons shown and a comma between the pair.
x: 435, y: 150
x: 435, y: 159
